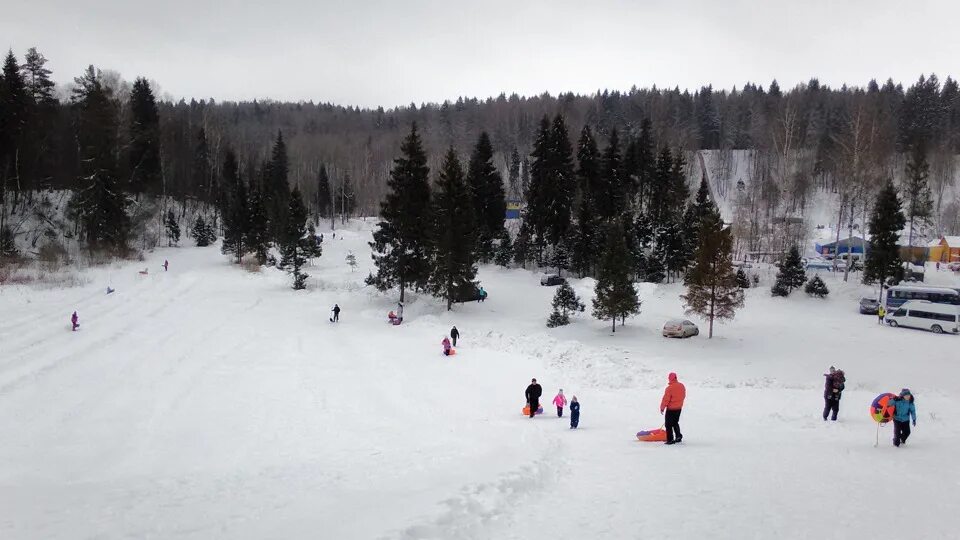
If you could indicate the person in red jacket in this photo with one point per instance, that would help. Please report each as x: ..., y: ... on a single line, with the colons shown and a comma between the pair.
x: 672, y: 403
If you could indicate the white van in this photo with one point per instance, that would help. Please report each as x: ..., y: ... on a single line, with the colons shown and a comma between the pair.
x: 937, y: 318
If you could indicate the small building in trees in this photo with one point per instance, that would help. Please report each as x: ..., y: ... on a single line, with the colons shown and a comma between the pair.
x: 944, y: 250
x: 852, y: 244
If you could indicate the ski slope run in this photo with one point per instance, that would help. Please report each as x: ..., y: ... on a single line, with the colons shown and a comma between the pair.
x: 209, y: 402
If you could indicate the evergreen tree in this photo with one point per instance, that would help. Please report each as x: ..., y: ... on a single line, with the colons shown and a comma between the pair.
x: 504, y: 249
x: 235, y: 211
x: 276, y: 190
x: 14, y: 111
x: 562, y: 183
x: 565, y: 301
x: 671, y: 247
x: 144, y: 148
x: 202, y: 233
x: 36, y: 78
x: 201, y: 170
x: 324, y: 199
x: 401, y: 242
x: 661, y: 188
x: 816, y: 287
x: 919, y: 205
x: 644, y: 161
x: 615, y: 294
x: 513, y: 178
x: 315, y: 245
x: 486, y: 192
x: 102, y: 206
x: 296, y: 245
x: 712, y: 289
x: 742, y: 280
x: 584, y: 244
x: 351, y: 261
x: 611, y: 200
x: 886, y: 222
x: 522, y: 246
x: 701, y: 209
x: 173, y: 229
x: 257, y: 232
x: 40, y: 156
x: 654, y: 270
x: 454, y: 257
x: 791, y: 274
x: 536, y: 213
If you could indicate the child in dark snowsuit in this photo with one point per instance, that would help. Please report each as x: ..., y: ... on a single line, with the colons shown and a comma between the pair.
x: 574, y: 413
x: 75, y: 321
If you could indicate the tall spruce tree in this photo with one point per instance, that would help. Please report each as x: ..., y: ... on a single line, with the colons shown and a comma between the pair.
x: 296, y: 244
x: 39, y: 158
x: 644, y: 162
x: 401, y: 243
x: 486, y: 192
x: 536, y: 213
x: 615, y: 295
x: 173, y: 229
x: 144, y: 148
x: 611, y: 201
x: 201, y: 171
x: 276, y: 189
x: 562, y: 183
x: 102, y: 205
x: 324, y: 199
x: 236, y: 209
x: 256, y: 234
x: 791, y: 274
x: 584, y: 244
x: 14, y: 112
x: 886, y: 222
x: 454, y: 228
x: 712, y: 289
x: 513, y: 178
x: 919, y: 205
x: 202, y: 232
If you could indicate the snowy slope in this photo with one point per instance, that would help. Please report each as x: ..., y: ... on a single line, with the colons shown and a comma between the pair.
x: 208, y: 402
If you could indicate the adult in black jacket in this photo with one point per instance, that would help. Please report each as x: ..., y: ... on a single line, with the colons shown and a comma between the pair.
x: 533, y: 396
x: 454, y: 334
x: 832, y: 389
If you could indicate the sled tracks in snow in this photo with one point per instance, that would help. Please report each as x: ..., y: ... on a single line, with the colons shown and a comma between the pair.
x: 480, y: 510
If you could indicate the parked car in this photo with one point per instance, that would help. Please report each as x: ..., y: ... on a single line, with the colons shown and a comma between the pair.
x: 938, y: 318
x: 869, y: 306
x: 954, y: 266
x: 551, y: 280
x: 680, y: 328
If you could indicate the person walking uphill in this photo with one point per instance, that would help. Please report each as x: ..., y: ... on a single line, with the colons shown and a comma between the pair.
x: 75, y: 321
x: 533, y: 394
x: 904, y: 410
x: 672, y: 403
x: 574, y: 413
x: 560, y: 401
x: 454, y: 335
x: 832, y: 389
x: 336, y: 313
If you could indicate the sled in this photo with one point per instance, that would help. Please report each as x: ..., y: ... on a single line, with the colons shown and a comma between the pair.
x: 526, y: 410
x: 653, y: 435
x: 452, y: 352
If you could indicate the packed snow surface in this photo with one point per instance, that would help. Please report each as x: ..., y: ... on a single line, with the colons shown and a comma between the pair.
x: 211, y: 402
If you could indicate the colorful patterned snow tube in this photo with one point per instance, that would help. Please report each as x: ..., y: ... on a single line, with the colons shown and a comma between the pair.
x: 881, y: 410
x: 654, y: 435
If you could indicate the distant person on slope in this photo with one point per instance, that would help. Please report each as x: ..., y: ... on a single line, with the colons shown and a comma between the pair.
x: 336, y: 313
x: 166, y: 265
x: 560, y: 401
x: 574, y: 413
x: 75, y: 321
x: 454, y: 335
x: 481, y: 295
x: 533, y: 394
x: 880, y: 313
x: 446, y: 346
x: 904, y: 410
x: 672, y: 403
x: 832, y: 389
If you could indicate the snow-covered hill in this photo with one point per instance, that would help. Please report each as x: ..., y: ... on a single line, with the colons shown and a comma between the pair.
x: 210, y: 402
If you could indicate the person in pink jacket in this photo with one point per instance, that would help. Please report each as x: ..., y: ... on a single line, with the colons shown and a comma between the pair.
x: 446, y: 345
x: 560, y: 401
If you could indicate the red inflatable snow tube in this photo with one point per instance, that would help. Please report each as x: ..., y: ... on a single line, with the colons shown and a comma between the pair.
x: 881, y: 410
x: 654, y: 435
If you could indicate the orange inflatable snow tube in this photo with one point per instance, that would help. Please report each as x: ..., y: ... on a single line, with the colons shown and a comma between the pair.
x: 654, y: 435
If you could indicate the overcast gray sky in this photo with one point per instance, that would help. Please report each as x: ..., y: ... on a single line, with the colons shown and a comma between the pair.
x: 382, y: 52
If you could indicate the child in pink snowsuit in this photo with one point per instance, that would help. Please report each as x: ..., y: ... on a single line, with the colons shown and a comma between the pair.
x: 560, y: 401
x: 446, y: 346
x: 75, y: 321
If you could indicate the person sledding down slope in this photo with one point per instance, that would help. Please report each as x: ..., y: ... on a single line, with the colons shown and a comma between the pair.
x: 447, y: 349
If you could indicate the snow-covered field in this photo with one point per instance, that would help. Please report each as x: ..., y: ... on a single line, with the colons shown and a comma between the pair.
x: 209, y: 402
